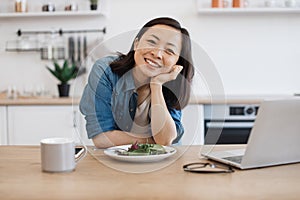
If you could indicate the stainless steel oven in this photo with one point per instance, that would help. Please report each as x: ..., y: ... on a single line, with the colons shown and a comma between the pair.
x: 228, y: 124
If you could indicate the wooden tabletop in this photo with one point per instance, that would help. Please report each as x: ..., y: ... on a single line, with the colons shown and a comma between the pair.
x: 94, y: 178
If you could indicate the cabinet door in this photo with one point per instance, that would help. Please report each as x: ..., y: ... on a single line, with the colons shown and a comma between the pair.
x: 193, y: 123
x: 29, y: 124
x: 3, y: 125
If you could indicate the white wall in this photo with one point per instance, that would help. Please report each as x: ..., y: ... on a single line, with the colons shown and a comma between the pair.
x: 253, y: 53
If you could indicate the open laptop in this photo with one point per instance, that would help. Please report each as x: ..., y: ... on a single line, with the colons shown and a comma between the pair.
x: 274, y: 138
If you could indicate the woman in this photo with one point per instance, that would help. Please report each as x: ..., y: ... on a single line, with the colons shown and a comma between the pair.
x: 139, y: 96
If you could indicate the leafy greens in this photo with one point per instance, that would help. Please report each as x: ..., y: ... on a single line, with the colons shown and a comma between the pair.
x: 143, y: 150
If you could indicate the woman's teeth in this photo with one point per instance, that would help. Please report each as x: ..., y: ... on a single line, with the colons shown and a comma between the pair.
x: 152, y: 63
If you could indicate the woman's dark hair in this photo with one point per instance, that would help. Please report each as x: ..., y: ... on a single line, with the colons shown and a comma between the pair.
x: 176, y: 92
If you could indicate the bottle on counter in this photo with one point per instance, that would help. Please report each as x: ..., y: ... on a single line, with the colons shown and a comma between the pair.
x: 21, y: 6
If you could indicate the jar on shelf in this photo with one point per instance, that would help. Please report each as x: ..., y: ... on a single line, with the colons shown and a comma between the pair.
x: 238, y: 3
x: 290, y: 3
x: 271, y: 3
x: 21, y: 6
x: 217, y: 3
x: 53, y: 47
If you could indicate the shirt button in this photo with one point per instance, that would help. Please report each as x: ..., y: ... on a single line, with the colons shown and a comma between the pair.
x: 131, y: 109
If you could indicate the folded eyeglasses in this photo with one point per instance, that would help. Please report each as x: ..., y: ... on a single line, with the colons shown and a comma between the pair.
x: 199, y: 167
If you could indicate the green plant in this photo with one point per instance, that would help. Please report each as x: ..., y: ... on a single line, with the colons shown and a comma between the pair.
x: 94, y: 2
x: 65, y: 72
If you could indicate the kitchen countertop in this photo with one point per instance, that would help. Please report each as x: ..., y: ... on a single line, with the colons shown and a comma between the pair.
x: 21, y: 178
x: 39, y: 101
x: 228, y: 99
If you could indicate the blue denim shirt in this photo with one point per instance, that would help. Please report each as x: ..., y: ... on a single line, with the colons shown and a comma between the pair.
x: 109, y: 101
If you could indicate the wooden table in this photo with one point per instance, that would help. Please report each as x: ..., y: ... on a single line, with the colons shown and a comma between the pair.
x: 21, y: 178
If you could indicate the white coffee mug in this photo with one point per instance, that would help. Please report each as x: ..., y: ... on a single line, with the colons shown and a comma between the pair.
x: 58, y: 154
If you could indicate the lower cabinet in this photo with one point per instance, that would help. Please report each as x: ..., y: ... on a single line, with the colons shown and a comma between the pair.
x: 27, y: 125
x: 3, y: 125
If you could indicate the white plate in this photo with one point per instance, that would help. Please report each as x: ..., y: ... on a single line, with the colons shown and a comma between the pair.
x: 149, y: 158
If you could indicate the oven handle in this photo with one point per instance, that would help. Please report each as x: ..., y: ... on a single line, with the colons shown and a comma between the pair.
x: 229, y: 124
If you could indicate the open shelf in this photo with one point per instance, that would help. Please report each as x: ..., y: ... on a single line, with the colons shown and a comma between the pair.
x: 50, y: 14
x: 247, y: 10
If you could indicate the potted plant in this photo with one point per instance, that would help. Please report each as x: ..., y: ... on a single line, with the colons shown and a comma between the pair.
x: 94, y: 4
x: 64, y: 74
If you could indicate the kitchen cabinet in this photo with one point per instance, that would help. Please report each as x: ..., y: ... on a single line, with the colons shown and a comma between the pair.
x: 193, y: 123
x: 27, y: 125
x: 3, y: 125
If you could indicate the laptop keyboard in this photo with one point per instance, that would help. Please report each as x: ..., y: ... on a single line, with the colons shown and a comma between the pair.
x: 236, y: 159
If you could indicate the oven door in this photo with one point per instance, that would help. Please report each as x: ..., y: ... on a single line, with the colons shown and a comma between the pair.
x: 232, y: 131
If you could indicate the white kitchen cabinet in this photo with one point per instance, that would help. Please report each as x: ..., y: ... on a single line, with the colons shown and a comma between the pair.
x: 3, y: 125
x: 193, y: 123
x: 27, y: 125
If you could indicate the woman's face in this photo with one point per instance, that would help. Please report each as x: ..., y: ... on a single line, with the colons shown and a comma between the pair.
x: 158, y: 50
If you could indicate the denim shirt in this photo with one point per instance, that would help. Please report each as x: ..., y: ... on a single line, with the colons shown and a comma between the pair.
x: 109, y: 101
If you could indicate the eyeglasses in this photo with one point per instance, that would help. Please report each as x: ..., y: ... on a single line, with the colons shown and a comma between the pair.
x: 207, y: 168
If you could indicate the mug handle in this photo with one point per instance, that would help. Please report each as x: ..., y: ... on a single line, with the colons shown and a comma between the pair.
x: 81, y: 154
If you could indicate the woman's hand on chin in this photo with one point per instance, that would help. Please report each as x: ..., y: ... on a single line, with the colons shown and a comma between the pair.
x: 165, y: 77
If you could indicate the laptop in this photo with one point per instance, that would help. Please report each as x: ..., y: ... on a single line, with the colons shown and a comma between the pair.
x: 274, y: 138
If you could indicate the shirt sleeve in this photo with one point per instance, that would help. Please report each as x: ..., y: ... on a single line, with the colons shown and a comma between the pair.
x: 95, y: 103
x: 176, y: 115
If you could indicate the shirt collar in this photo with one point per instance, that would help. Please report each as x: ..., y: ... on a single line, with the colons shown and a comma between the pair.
x: 126, y: 82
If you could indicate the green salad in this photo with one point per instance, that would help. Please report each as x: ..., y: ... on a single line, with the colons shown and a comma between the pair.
x: 143, y: 150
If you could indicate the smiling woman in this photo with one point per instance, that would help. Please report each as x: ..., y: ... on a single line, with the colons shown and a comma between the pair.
x: 139, y: 96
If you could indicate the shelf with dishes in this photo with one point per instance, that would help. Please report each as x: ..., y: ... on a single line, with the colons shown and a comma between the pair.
x: 87, y: 13
x: 248, y: 10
